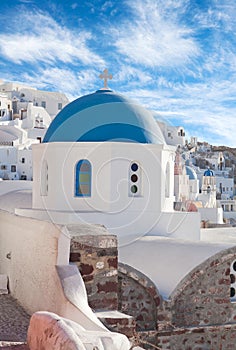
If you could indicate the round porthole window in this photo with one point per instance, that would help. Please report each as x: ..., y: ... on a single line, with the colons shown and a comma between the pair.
x: 134, y: 189
x: 134, y: 167
x: 134, y: 178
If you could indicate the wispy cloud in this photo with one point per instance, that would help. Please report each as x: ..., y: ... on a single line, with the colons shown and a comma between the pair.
x: 152, y: 39
x: 39, y: 38
x: 74, y: 5
x: 107, y: 5
x: 219, y: 15
x: 205, y: 109
x: 73, y: 84
x: 26, y: 1
x: 130, y: 75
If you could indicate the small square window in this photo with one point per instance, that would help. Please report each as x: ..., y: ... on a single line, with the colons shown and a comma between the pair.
x: 43, y: 104
x: 13, y: 168
x: 59, y: 106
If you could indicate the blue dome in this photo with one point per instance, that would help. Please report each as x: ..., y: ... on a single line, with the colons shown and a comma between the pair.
x: 191, y: 173
x: 208, y: 172
x: 104, y: 116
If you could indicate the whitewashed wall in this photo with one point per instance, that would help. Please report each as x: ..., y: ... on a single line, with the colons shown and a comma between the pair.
x: 29, y: 252
x: 214, y: 215
x: 110, y: 177
x: 32, y: 246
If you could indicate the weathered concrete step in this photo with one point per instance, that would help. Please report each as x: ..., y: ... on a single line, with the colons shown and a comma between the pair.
x: 118, y: 322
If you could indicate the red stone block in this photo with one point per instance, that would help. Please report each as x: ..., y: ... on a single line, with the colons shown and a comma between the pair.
x: 224, y: 281
x: 86, y: 269
x: 88, y: 278
x: 107, y: 287
x: 214, y: 263
x: 74, y: 257
x: 221, y: 301
x: 198, y: 330
x: 113, y: 262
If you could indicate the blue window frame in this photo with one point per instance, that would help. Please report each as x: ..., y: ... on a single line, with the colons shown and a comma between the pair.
x: 83, y: 177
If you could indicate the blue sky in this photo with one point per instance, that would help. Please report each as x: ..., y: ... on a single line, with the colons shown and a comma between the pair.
x: 177, y: 57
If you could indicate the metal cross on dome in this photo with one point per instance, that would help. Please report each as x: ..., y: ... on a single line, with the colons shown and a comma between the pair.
x: 105, y: 76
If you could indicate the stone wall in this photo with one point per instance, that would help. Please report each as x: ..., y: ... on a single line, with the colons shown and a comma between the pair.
x: 96, y: 258
x: 203, y: 297
x: 198, y: 315
x: 138, y: 297
x: 199, y: 338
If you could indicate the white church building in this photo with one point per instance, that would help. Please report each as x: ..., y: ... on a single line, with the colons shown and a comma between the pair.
x: 104, y: 160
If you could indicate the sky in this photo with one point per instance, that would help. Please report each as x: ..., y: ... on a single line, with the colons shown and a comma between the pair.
x: 176, y: 57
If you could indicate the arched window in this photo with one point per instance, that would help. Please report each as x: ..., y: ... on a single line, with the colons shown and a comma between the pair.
x: 83, y: 178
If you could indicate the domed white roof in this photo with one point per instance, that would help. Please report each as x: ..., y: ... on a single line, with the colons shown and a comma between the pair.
x: 104, y: 116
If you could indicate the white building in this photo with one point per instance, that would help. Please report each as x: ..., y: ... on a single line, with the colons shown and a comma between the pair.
x: 181, y: 180
x: 21, y: 95
x: 225, y: 187
x: 193, y: 183
x: 16, y: 139
x: 5, y: 105
x: 104, y: 160
x: 174, y: 135
x: 188, y: 196
x: 25, y: 115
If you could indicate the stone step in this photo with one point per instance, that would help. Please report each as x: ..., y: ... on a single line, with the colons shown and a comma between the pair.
x: 13, y: 346
x: 119, y: 322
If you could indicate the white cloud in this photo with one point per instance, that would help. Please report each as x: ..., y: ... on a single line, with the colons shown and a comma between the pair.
x: 107, y: 5
x: 219, y: 15
x: 26, y: 1
x: 152, y: 39
x: 39, y: 38
x: 74, y: 5
x: 130, y: 76
x: 207, y: 110
x: 71, y: 83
